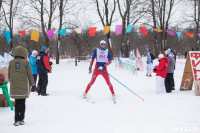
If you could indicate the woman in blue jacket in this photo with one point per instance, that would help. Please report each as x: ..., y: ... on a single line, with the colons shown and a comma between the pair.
x: 32, y: 61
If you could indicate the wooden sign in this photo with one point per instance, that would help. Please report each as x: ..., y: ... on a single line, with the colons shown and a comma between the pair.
x: 191, y: 71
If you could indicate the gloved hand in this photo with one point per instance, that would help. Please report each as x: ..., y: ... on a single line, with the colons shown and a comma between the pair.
x: 50, y: 63
x: 90, y: 69
x: 101, y: 67
x: 50, y: 71
x: 154, y: 70
x: 34, y: 88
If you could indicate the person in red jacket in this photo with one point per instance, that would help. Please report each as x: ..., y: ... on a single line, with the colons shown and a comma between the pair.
x: 161, y: 72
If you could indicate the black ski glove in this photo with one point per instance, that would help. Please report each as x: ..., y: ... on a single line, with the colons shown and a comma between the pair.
x: 90, y: 69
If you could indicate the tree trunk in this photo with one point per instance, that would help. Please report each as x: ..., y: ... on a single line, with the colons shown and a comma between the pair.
x: 0, y: 4
x: 11, y: 24
x: 59, y: 36
x: 155, y: 27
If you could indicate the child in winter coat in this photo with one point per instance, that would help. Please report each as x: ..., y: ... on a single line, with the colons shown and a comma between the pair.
x: 32, y: 61
x: 161, y: 72
x: 20, y: 77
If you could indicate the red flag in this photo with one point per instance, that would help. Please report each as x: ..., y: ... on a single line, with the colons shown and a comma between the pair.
x: 143, y: 30
x: 22, y: 32
x: 92, y: 31
x: 191, y: 35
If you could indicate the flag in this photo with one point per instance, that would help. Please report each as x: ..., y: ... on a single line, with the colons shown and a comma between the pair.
x: 158, y: 30
x: 92, y: 31
x: 78, y: 30
x: 143, y: 30
x: 129, y: 28
x: 63, y: 32
x: 22, y: 32
x: 120, y: 61
x: 50, y: 33
x: 106, y: 29
x: 179, y: 36
x: 7, y: 34
x: 118, y: 30
x: 139, y: 63
x: 170, y: 33
x: 148, y: 56
x: 35, y: 35
x: 191, y: 35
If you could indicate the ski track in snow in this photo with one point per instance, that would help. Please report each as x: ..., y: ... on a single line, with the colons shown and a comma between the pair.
x: 66, y: 111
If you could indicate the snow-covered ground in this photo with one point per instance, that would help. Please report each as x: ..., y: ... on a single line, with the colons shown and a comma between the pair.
x: 65, y: 110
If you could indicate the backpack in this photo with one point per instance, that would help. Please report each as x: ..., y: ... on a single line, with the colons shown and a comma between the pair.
x: 2, y: 79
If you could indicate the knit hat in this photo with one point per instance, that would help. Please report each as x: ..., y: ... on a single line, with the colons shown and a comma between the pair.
x: 34, y: 52
x: 167, y: 51
x: 161, y: 55
x: 44, y: 48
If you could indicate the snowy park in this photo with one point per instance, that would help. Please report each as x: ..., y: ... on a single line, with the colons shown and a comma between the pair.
x: 65, y: 110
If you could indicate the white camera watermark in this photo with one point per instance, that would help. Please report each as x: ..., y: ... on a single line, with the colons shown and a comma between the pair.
x: 185, y: 129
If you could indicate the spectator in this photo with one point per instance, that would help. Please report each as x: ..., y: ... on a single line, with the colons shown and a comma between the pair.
x: 161, y: 72
x: 32, y: 61
x: 43, y: 67
x: 20, y: 77
x: 169, y: 80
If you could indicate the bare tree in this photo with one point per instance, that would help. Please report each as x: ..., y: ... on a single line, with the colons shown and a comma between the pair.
x: 43, y: 10
x: 106, y: 11
x: 161, y: 14
x: 131, y: 12
x: 9, y: 17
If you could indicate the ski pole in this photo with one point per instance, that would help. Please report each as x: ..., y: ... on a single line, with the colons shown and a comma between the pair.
x: 124, y: 85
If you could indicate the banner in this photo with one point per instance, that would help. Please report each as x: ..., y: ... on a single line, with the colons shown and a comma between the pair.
x: 7, y: 34
x: 143, y: 30
x: 63, y: 32
x: 92, y: 31
x: 158, y: 30
x: 179, y: 36
x: 129, y: 28
x: 139, y: 63
x: 170, y: 33
x: 118, y: 30
x: 50, y: 33
x: 191, y: 35
x: 106, y: 29
x: 22, y: 32
x: 35, y: 35
x: 78, y: 30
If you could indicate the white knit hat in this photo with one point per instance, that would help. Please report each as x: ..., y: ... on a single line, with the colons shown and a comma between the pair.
x: 161, y: 55
x: 167, y: 51
x: 34, y: 52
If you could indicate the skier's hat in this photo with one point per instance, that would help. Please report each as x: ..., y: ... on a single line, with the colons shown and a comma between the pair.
x: 102, y: 43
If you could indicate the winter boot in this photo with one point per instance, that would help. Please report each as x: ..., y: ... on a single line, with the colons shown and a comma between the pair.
x: 22, y: 122
x: 45, y: 94
x: 17, y: 123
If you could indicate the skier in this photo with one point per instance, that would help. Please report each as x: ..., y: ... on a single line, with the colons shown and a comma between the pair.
x: 101, y: 54
x: 43, y: 67
x: 161, y: 72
